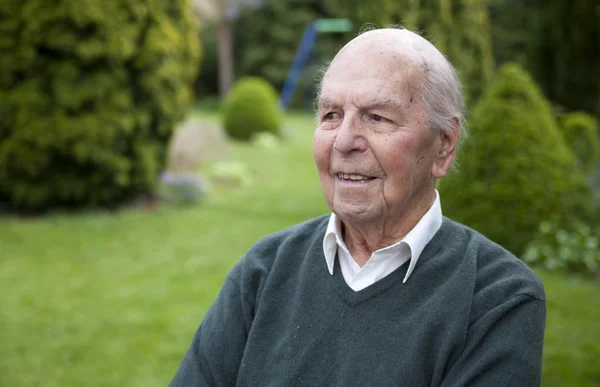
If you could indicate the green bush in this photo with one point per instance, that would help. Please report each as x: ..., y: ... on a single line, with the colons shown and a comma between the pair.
x: 516, y: 169
x: 580, y: 130
x: 90, y: 92
x: 250, y: 108
x: 572, y: 249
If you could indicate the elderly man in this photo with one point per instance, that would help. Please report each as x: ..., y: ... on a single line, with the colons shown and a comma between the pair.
x: 385, y: 291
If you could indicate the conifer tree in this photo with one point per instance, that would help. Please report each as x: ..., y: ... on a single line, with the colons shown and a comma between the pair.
x: 515, y: 168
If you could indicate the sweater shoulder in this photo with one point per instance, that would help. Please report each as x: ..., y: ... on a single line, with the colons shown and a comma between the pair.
x: 291, y: 237
x: 498, y: 274
x: 287, y: 244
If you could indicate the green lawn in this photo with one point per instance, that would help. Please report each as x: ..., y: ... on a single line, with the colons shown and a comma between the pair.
x: 112, y: 299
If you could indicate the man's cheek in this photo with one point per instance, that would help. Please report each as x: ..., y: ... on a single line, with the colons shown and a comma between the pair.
x: 322, y: 154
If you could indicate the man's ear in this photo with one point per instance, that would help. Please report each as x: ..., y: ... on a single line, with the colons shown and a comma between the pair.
x: 447, y: 149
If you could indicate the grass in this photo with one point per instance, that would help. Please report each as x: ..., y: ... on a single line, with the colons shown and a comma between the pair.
x: 112, y: 299
x: 572, y: 341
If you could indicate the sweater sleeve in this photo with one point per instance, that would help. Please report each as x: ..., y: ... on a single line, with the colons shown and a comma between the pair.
x: 503, y: 347
x: 214, y: 356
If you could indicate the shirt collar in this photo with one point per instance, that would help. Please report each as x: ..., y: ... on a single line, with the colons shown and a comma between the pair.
x: 416, y: 239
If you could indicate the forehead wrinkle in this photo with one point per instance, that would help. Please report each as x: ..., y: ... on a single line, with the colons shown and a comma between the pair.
x: 404, y: 75
x: 399, y: 53
x: 366, y: 94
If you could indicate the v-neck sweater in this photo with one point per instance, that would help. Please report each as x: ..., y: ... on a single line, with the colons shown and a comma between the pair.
x: 471, y: 314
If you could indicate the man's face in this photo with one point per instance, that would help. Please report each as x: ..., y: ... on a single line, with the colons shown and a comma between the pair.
x: 374, y: 151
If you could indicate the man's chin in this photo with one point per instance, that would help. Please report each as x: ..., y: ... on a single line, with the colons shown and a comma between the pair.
x: 356, y: 213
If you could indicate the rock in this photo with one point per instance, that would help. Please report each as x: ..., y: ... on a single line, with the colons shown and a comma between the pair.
x: 180, y: 188
x: 195, y: 142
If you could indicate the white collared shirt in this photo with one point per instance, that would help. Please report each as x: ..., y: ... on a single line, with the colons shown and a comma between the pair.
x: 383, y: 261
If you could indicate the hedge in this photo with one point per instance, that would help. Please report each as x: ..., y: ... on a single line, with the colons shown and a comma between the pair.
x: 90, y: 92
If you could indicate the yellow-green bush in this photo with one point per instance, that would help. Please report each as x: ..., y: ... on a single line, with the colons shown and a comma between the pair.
x: 580, y: 130
x: 251, y: 107
x: 89, y: 93
x: 516, y: 170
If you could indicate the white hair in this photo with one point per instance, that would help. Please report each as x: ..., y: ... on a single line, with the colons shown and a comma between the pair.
x: 441, y: 90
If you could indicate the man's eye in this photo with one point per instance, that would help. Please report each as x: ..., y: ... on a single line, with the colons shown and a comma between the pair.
x: 376, y: 118
x: 330, y: 116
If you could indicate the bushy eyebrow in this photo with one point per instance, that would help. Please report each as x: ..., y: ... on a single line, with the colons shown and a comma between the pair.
x: 378, y: 104
x: 382, y: 104
x: 325, y: 103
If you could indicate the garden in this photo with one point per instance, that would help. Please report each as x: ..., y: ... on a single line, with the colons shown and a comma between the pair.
x: 113, y: 299
x: 133, y: 175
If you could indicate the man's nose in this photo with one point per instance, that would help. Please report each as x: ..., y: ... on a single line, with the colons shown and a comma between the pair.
x: 350, y: 136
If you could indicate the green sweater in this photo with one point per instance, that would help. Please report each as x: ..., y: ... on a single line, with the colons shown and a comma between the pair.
x: 471, y: 314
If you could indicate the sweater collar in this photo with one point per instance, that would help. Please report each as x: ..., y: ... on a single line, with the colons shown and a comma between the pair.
x: 416, y: 239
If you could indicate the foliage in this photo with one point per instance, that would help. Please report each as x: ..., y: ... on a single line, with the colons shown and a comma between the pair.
x: 469, y: 47
x: 222, y: 14
x: 511, y: 29
x: 570, y: 249
x: 558, y: 42
x: 460, y: 29
x: 90, y: 92
x: 103, y: 300
x: 515, y: 168
x: 281, y: 23
x: 207, y: 82
x: 564, y: 53
x: 250, y: 108
x: 582, y: 133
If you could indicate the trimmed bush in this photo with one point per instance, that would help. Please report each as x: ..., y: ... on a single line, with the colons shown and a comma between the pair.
x: 581, y: 133
x: 90, y: 92
x: 250, y: 108
x: 516, y: 169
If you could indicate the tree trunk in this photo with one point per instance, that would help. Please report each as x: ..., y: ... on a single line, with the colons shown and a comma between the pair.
x: 225, y: 43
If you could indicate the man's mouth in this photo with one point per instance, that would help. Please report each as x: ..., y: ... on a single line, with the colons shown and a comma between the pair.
x: 353, y: 177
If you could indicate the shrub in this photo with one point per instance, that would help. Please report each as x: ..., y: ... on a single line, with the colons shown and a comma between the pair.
x: 515, y: 169
x: 90, y: 92
x: 581, y: 133
x: 575, y: 249
x: 251, y: 107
